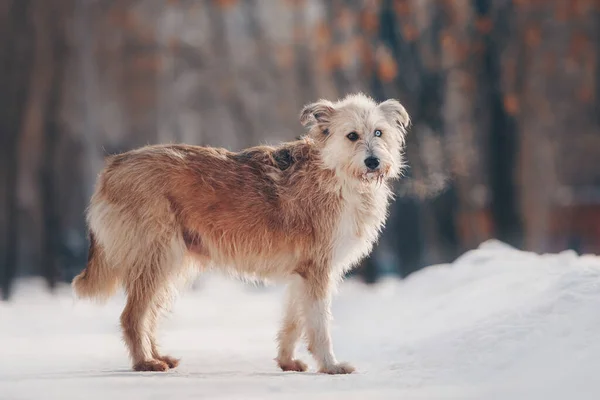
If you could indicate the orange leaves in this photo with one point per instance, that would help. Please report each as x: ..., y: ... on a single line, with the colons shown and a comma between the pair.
x: 225, y: 3
x: 405, y: 17
x: 549, y: 64
x: 296, y: 3
x: 122, y: 18
x: 532, y: 3
x: 126, y: 20
x: 561, y: 12
x: 347, y: 19
x: 448, y: 41
x: 578, y: 44
x: 410, y: 32
x: 511, y: 104
x: 369, y: 22
x: 585, y: 94
x: 298, y: 34
x: 581, y: 8
x: 402, y: 8
x: 484, y: 25
x: 574, y: 9
x: 285, y: 57
x: 456, y: 47
x: 365, y: 54
x: 533, y: 36
x: 346, y: 53
x: 475, y: 225
x: 331, y: 59
x: 140, y: 96
x: 387, y: 68
x: 323, y: 33
x: 146, y: 63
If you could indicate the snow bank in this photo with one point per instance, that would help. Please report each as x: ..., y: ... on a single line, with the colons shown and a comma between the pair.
x: 496, y: 324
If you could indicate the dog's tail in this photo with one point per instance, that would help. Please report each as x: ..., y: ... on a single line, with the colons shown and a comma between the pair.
x: 98, y: 280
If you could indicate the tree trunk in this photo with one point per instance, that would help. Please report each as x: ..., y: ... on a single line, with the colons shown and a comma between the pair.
x: 53, y: 231
x: 16, y: 58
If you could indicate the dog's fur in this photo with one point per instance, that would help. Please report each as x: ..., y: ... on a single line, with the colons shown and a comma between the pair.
x: 304, y: 211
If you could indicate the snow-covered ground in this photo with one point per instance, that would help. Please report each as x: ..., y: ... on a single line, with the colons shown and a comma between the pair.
x: 496, y: 324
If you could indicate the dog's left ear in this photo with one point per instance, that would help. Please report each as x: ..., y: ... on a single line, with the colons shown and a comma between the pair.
x: 396, y: 114
x: 319, y: 112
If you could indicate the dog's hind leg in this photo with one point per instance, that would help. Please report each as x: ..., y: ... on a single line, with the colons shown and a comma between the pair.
x: 292, y: 328
x: 157, y: 308
x: 147, y: 287
x: 135, y: 320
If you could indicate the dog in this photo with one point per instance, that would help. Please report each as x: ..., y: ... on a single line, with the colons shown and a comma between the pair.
x: 304, y: 212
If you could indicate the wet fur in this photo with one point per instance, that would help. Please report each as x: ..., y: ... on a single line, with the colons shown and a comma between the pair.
x: 304, y: 212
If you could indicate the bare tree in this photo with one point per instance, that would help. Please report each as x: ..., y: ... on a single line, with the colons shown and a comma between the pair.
x: 16, y: 55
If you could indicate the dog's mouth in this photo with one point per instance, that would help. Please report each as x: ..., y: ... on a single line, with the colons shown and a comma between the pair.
x: 367, y: 177
x: 373, y: 176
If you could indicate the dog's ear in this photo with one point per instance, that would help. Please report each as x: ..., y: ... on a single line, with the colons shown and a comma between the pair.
x: 396, y: 114
x: 319, y: 113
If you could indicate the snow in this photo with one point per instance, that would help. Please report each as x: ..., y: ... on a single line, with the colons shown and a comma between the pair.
x: 497, y: 323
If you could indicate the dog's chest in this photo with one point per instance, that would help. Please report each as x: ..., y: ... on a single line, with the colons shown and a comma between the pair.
x: 361, y: 219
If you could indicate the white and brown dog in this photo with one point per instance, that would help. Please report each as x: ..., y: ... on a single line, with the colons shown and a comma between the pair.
x: 304, y: 211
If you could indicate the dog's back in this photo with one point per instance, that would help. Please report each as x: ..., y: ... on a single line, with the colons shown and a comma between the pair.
x: 249, y: 211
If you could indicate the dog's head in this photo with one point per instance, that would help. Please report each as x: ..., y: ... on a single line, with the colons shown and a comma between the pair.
x: 359, y: 138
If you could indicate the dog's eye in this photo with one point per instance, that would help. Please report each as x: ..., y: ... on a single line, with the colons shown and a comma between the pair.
x: 378, y: 133
x: 353, y: 136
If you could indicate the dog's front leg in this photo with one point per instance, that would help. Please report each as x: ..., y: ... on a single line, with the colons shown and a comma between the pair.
x: 317, y: 304
x: 291, y: 329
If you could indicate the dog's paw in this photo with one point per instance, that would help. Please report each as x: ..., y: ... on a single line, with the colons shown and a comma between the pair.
x: 151, y: 365
x: 292, y: 365
x: 335, y: 369
x: 170, y: 361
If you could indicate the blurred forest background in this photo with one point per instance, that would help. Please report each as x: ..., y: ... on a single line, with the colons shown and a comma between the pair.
x: 504, y: 95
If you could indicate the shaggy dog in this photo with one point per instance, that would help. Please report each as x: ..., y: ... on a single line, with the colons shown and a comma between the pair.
x: 304, y: 212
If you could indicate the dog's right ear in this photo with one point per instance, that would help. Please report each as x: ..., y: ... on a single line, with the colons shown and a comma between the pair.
x: 319, y: 113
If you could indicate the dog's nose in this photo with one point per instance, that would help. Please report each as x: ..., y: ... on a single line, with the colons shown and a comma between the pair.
x: 372, y: 163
